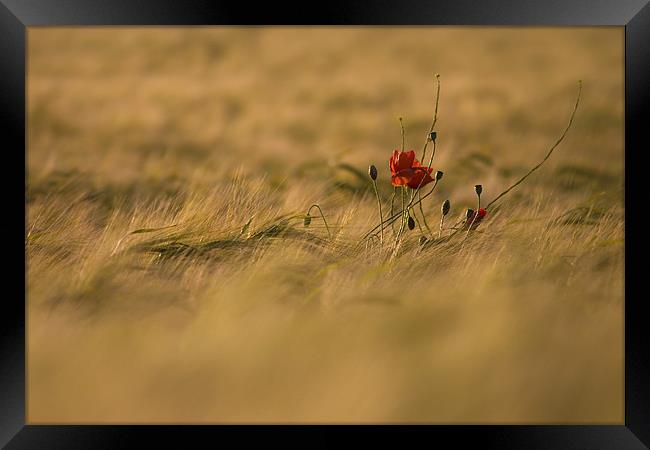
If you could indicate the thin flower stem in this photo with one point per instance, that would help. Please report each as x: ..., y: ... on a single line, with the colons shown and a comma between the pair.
x: 561, y: 138
x: 425, y: 173
x: 435, y: 118
x: 456, y: 231
x: 417, y: 221
x: 404, y: 209
x: 417, y: 191
x: 322, y: 217
x: 401, y: 228
x: 395, y: 216
x: 403, y: 203
x: 392, y: 201
x: 381, y: 215
x: 476, y: 213
x: 424, y: 218
x: 435, y: 183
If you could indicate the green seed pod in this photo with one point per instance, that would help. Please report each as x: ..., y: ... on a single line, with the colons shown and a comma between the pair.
x: 478, y: 188
x: 445, y: 207
x: 307, y: 220
x: 372, y: 171
x: 438, y: 175
x: 433, y: 135
x: 411, y: 223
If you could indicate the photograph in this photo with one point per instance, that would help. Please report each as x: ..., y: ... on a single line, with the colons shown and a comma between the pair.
x: 325, y: 225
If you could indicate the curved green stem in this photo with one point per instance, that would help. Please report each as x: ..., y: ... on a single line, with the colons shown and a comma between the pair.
x: 561, y: 138
x: 322, y: 216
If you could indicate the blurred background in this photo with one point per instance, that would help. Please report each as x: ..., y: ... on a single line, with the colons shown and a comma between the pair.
x: 138, y: 127
x: 154, y: 104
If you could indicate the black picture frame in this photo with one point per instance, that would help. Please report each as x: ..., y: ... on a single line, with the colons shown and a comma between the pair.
x: 17, y: 15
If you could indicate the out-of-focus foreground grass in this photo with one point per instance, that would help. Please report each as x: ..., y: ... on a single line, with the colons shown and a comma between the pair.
x: 202, y: 129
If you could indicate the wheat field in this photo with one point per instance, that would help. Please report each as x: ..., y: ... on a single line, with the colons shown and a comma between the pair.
x: 171, y: 279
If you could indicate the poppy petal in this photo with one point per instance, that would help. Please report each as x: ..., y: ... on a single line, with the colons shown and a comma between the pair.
x: 392, y: 162
x: 402, y: 177
x: 405, y: 160
x: 419, y: 179
x: 398, y: 181
x: 410, y: 157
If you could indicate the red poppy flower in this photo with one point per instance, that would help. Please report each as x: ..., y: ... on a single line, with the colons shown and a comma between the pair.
x: 481, y: 214
x: 407, y: 171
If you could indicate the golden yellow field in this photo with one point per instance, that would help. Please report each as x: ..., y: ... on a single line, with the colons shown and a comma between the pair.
x: 189, y: 134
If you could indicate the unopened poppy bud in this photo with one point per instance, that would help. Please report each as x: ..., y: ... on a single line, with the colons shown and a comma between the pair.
x: 372, y: 171
x: 478, y: 188
x: 411, y: 223
x: 307, y: 220
x: 423, y: 240
x: 433, y: 135
x: 469, y: 214
x: 438, y: 175
x: 445, y: 207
